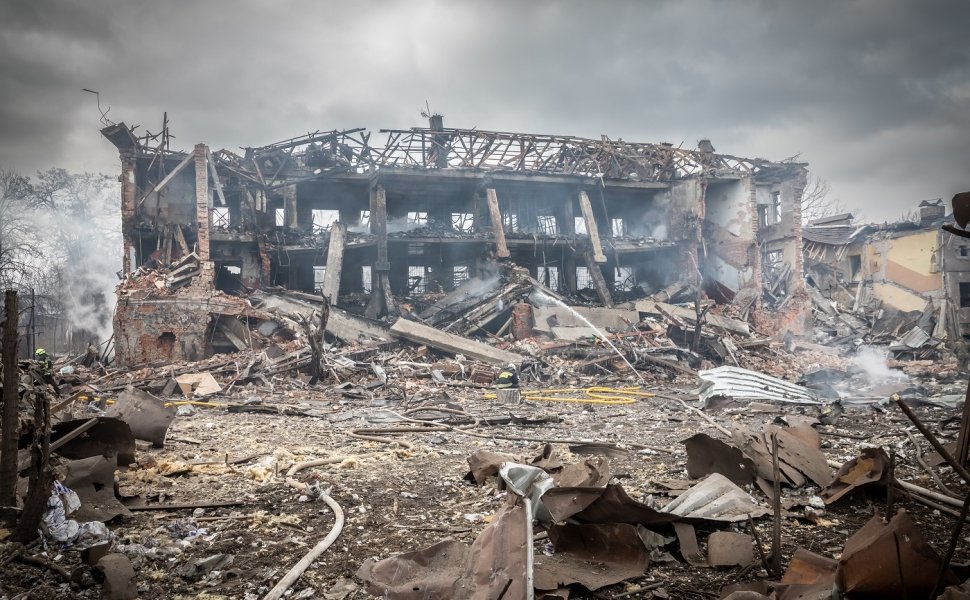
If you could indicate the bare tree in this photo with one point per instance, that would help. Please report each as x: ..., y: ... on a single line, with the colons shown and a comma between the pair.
x: 817, y: 201
x: 17, y: 230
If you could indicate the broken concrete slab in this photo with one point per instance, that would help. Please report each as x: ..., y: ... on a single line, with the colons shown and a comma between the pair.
x: 730, y: 549
x: 422, y: 334
x: 689, y: 315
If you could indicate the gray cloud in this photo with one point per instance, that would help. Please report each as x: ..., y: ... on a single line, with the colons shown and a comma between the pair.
x: 874, y: 94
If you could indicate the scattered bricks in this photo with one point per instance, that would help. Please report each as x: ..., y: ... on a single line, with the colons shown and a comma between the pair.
x: 729, y: 549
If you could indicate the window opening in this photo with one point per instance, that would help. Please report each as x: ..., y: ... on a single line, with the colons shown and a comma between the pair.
x: 546, y: 225
x: 463, y: 222
x: 324, y: 219
x: 417, y: 279
x: 319, y: 273
x: 220, y: 217
x: 624, y: 279
x: 549, y: 277
x: 619, y: 228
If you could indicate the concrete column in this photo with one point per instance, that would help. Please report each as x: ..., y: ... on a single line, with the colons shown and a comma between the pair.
x: 591, y: 227
x: 202, y: 200
x: 501, y: 248
x: 289, y: 207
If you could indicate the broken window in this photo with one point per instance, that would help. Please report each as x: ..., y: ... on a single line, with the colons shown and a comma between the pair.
x: 365, y: 278
x: 963, y: 251
x: 324, y: 219
x: 418, y: 218
x: 774, y: 212
x: 583, y: 278
x: 580, y: 224
x: 280, y: 217
x: 624, y: 279
x: 618, y: 227
x: 855, y: 267
x: 549, y: 277
x: 319, y: 272
x: 463, y: 222
x: 762, y: 215
x: 365, y: 218
x: 964, y: 294
x: 460, y: 274
x: 546, y: 225
x: 510, y: 221
x: 220, y: 217
x: 417, y: 279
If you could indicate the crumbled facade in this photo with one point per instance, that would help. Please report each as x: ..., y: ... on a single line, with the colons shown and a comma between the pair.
x: 368, y: 224
x: 912, y: 268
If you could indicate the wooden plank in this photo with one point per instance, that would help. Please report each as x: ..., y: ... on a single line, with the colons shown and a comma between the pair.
x: 501, y: 248
x: 422, y: 334
x: 168, y: 178
x: 216, y: 183
x: 591, y: 229
x: 335, y: 260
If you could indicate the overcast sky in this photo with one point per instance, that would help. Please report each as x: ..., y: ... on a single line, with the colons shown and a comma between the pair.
x: 875, y: 94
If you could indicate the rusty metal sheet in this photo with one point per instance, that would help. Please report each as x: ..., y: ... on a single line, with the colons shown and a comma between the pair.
x: 483, y: 464
x: 147, y: 416
x: 498, y: 560
x: 808, y: 568
x: 705, y: 455
x: 93, y: 480
x: 614, y: 505
x: 592, y: 472
x: 108, y: 437
x: 806, y: 459
x: 689, y: 549
x: 593, y: 556
x: 869, y: 566
x: 870, y: 467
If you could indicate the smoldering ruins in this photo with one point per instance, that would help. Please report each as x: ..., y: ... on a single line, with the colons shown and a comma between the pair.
x: 712, y: 400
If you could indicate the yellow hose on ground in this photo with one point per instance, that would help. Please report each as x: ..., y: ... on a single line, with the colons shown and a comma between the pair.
x: 592, y: 395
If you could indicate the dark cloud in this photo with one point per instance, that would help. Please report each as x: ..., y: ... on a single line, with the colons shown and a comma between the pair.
x: 874, y: 94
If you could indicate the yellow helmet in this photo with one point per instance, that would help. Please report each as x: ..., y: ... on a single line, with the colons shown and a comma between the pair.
x: 40, y: 352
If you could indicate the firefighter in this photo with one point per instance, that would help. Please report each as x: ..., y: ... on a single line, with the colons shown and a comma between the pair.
x: 46, y: 367
x: 508, y: 378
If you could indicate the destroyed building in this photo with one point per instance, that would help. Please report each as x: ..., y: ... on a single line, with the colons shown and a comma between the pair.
x: 912, y: 278
x: 368, y: 223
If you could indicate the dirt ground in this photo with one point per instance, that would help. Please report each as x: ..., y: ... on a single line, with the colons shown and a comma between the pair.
x: 406, y: 499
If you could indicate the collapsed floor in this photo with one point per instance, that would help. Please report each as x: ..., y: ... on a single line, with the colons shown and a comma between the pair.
x: 223, y: 507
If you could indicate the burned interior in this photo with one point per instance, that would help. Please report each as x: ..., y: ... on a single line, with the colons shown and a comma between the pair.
x: 370, y: 223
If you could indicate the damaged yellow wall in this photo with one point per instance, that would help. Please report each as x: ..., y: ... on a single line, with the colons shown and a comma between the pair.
x: 910, y: 262
x: 897, y: 297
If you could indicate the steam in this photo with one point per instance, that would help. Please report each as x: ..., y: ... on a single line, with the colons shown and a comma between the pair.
x: 872, y: 362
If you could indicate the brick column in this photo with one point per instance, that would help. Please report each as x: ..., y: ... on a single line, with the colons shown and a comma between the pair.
x: 202, y: 201
x: 127, y: 207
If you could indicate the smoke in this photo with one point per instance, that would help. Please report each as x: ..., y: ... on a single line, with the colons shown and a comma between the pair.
x: 82, y: 225
x: 653, y: 224
x: 871, y: 362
